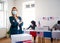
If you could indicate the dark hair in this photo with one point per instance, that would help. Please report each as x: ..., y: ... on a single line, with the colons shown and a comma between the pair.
x: 58, y: 22
x: 34, y: 23
x: 14, y: 8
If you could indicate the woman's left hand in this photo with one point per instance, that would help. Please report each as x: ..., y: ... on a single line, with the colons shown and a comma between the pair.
x: 20, y: 22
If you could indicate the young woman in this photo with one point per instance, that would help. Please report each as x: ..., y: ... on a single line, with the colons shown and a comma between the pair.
x: 16, y: 22
x: 32, y: 26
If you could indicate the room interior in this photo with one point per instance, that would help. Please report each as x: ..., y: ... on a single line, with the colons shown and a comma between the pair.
x: 46, y: 13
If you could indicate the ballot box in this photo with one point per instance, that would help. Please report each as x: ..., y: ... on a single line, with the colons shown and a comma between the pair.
x: 21, y: 38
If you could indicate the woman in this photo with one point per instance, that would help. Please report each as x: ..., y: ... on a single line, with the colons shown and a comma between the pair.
x: 16, y: 22
x: 32, y: 26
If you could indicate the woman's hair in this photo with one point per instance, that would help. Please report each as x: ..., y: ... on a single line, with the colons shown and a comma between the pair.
x: 58, y: 22
x: 34, y: 23
x: 12, y: 10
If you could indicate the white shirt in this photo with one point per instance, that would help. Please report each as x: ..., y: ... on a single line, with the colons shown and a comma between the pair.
x: 18, y: 22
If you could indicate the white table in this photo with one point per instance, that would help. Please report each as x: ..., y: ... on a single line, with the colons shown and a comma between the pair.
x: 55, y: 33
x: 20, y: 37
x: 27, y: 31
x: 41, y: 32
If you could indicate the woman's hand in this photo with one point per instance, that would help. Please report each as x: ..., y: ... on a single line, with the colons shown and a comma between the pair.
x: 20, y: 22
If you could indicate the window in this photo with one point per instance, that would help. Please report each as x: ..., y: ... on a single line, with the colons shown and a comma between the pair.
x: 3, y: 14
x: 1, y: 6
x: 28, y: 13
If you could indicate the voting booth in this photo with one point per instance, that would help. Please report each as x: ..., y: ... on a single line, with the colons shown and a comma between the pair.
x: 21, y: 38
x: 56, y: 36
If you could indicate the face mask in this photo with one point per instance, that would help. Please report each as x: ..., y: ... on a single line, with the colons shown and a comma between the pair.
x: 14, y: 12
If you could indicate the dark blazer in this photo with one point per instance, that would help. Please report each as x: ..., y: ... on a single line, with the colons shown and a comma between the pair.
x: 14, y: 26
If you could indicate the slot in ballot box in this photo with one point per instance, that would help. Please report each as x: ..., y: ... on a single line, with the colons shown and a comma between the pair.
x: 21, y: 38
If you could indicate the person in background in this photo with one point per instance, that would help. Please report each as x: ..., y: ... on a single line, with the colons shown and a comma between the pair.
x: 32, y: 27
x: 57, y: 26
x: 16, y: 22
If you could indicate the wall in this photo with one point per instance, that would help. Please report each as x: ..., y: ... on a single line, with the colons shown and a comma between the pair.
x: 47, y: 8
x: 18, y: 4
x: 8, y: 11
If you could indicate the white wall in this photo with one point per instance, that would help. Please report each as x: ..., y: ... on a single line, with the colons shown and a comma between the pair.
x: 43, y: 8
x: 18, y: 4
x: 47, y: 8
x: 7, y: 13
x: 9, y: 8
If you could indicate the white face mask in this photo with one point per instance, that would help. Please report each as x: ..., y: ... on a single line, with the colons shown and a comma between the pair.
x: 14, y: 12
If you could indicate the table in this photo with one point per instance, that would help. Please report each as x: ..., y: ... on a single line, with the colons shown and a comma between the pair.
x: 44, y: 33
x: 41, y: 33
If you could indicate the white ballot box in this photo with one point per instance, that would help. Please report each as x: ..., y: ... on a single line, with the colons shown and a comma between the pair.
x: 21, y: 38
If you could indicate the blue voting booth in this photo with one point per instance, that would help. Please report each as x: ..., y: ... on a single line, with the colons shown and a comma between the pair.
x: 48, y: 34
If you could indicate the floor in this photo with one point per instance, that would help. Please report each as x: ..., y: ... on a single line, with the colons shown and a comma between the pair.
x: 8, y: 40
x: 5, y: 40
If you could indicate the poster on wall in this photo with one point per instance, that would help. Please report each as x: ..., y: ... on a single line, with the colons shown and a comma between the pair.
x: 50, y: 18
